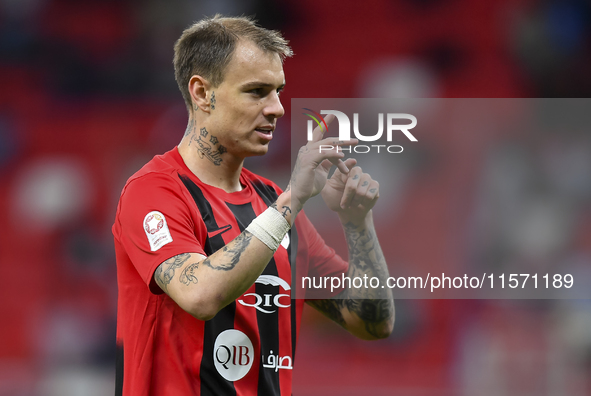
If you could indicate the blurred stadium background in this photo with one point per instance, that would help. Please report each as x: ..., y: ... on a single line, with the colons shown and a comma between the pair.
x: 87, y: 95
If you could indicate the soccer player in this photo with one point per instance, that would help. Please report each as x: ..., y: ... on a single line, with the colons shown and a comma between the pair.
x: 207, y: 250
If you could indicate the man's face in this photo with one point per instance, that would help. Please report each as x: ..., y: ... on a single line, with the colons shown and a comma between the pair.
x: 247, y: 102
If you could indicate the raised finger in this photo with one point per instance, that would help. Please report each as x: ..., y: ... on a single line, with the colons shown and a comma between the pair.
x: 371, y: 195
x: 341, y: 166
x: 351, y: 186
x: 339, y: 174
x: 361, y: 191
x: 333, y: 144
x: 335, y: 141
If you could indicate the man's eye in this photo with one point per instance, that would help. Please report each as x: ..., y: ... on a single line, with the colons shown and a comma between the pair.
x: 279, y: 90
x: 256, y: 91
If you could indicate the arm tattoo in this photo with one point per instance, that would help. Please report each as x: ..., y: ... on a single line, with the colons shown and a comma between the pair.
x: 374, y: 312
x: 188, y: 274
x: 165, y: 271
x: 365, y: 253
x: 286, y: 209
x: 330, y: 308
x: 374, y: 307
x: 231, y: 253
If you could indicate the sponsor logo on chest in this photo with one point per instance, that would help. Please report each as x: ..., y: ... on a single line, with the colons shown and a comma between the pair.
x: 268, y: 303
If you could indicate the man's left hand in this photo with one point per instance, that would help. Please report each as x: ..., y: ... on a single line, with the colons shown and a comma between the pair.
x: 351, y: 195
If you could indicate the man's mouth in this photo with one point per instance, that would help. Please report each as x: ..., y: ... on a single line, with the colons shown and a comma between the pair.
x: 266, y: 130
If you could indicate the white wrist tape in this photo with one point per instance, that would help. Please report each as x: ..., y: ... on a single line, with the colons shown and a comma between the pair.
x: 270, y: 227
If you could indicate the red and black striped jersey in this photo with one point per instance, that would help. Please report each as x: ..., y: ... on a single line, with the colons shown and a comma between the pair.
x: 248, y: 348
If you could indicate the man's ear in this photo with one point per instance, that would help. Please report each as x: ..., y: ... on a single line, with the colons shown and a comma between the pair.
x: 198, y: 88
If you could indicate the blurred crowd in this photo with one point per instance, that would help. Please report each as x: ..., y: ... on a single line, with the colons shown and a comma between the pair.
x: 87, y: 96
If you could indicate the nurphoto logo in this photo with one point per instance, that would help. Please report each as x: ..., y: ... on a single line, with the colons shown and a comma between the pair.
x: 392, y: 125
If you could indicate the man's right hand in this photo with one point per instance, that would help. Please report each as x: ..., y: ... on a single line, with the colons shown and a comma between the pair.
x: 312, y: 165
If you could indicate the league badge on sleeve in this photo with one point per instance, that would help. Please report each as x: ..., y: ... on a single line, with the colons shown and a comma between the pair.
x: 156, y: 230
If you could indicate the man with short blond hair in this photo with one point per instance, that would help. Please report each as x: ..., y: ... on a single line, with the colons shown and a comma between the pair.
x: 206, y: 250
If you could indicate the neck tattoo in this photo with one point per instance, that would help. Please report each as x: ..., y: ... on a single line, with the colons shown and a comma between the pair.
x: 206, y: 148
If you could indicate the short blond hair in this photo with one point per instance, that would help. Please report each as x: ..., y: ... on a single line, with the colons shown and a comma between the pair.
x: 206, y: 47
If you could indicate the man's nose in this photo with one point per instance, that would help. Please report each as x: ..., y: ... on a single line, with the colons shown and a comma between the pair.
x: 274, y: 108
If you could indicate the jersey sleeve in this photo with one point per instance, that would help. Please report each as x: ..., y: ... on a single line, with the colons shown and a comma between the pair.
x: 156, y: 224
x: 322, y: 259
